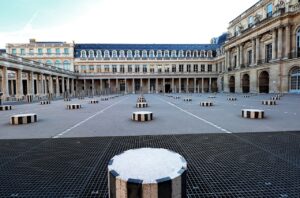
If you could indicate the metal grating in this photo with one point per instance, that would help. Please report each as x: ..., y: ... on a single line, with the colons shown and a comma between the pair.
x: 219, y: 165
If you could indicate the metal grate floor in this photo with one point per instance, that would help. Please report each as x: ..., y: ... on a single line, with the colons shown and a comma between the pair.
x: 219, y: 165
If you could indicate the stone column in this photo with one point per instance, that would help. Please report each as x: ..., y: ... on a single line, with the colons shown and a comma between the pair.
x: 5, y: 82
x: 63, y: 85
x: 179, y: 86
x: 32, y: 83
x: 195, y: 85
x: 274, y: 45
x: 93, y: 87
x: 125, y: 85
x: 38, y: 85
x: 19, y: 83
x: 57, y: 87
x: 42, y: 84
x: 202, y: 85
x: 287, y: 41
x: 253, y: 52
x: 238, y: 65
x: 173, y: 91
x: 72, y: 87
x: 279, y: 50
x: 45, y: 84
x: 187, y: 85
x: 209, y: 85
x: 257, y: 49
x: 133, y: 86
x: 241, y: 56
x: 164, y: 85
x: 141, y: 85
x: 50, y: 84
x: 101, y: 86
x: 84, y: 87
x: 149, y: 88
x: 68, y: 86
x: 156, y: 85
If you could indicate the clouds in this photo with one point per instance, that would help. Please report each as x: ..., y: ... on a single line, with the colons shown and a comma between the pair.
x: 135, y: 21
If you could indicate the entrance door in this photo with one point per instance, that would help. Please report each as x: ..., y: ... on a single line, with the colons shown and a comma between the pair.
x: 264, y: 82
x: 232, y: 84
x: 246, y: 83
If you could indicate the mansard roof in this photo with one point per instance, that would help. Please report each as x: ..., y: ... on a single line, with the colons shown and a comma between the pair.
x: 155, y: 47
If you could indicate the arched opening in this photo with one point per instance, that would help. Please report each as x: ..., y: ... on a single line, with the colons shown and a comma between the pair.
x: 295, y: 80
x: 232, y: 84
x: 298, y: 42
x: 264, y: 82
x: 246, y: 83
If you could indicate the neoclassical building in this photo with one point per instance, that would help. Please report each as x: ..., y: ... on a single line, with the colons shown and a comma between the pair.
x: 262, y: 50
x: 260, y: 53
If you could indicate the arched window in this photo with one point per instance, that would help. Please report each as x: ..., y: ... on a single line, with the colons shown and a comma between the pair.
x: 298, y: 43
x: 83, y: 54
x: 173, y: 54
x: 114, y: 54
x: 106, y: 54
x: 295, y: 80
x: 181, y: 55
x: 136, y: 53
x: 66, y: 65
x: 188, y: 54
x: 57, y: 63
x: 209, y: 54
x: 129, y: 54
x: 202, y: 54
x: 151, y: 54
x: 91, y: 54
x: 99, y: 54
x: 144, y: 54
x: 166, y: 54
x: 49, y: 62
x: 159, y: 54
x: 195, y: 53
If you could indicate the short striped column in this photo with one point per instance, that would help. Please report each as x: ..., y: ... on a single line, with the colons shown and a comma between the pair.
x: 45, y: 102
x: 147, y: 173
x: 141, y: 105
x: 81, y: 98
x: 253, y: 113
x: 93, y: 101
x: 23, y: 119
x: 73, y: 106
x: 104, y: 99
x: 29, y: 98
x: 67, y: 99
x: 232, y: 99
x: 246, y: 96
x: 269, y: 102
x: 5, y: 107
x: 275, y: 98
x: 206, y: 104
x: 176, y: 97
x: 211, y: 96
x: 142, y: 116
x: 187, y: 99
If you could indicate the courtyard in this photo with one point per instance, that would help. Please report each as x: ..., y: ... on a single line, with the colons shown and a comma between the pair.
x: 65, y: 153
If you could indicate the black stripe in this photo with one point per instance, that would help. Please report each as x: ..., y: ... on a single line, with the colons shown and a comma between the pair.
x: 256, y: 114
x: 139, y: 117
x: 146, y: 116
x: 262, y: 114
x: 248, y: 114
x: 29, y: 119
x: 183, y: 185
x: 164, y: 187
x: 20, y: 120
x: 35, y: 118
x: 151, y: 116
x: 12, y: 120
x: 134, y: 188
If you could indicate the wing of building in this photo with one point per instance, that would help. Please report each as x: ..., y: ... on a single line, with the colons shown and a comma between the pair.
x: 259, y: 54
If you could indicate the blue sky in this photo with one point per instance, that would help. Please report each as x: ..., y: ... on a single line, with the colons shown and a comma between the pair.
x: 117, y: 21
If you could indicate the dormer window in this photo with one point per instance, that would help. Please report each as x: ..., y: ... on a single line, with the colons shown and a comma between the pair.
x: 195, y: 53
x: 173, y: 54
x: 99, y: 54
x: 202, y: 54
x: 129, y: 54
x: 166, y: 54
x: 181, y: 55
x: 82, y: 54
x: 250, y: 21
x: 106, y: 54
x: 136, y: 53
x: 188, y: 54
x: 144, y: 54
x: 114, y: 54
x: 91, y: 54
x: 151, y: 54
x: 159, y: 54
x: 122, y: 54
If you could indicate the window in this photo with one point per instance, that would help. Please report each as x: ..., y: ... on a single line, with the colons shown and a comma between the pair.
x: 159, y: 54
x: 250, y: 21
x: 98, y: 68
x: 49, y: 62
x: 195, y: 68
x: 144, y: 54
x: 82, y: 53
x: 249, y: 61
x: 91, y: 54
x: 66, y: 65
x: 66, y: 51
x: 173, y: 68
x: 298, y: 43
x: 188, y: 68
x: 114, y: 54
x: 159, y: 68
x: 57, y: 63
x: 22, y: 51
x: 144, y: 68
x: 295, y: 79
x: 151, y: 54
x: 91, y: 68
x: 114, y: 68
x: 122, y: 54
x: 268, y: 52
x: 137, y: 69
x: 173, y: 54
x: 106, y: 68
x: 188, y: 54
x: 195, y: 53
x: 106, y: 54
x: 129, y: 68
x: 129, y: 54
x: 167, y: 69
x: 14, y: 51
x: 83, y: 68
x: 122, y: 69
x: 202, y: 68
x: 209, y: 68
x: 31, y: 52
x: 166, y: 54
x: 180, y: 68
x: 181, y: 54
x: 40, y: 51
x: 136, y: 53
x: 269, y: 10
x: 57, y: 51
x: 99, y: 54
x: 202, y: 54
x: 49, y: 51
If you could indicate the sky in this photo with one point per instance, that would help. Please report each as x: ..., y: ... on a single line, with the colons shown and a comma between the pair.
x: 117, y: 21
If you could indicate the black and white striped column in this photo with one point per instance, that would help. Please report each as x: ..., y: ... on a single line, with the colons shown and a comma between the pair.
x: 142, y: 116
x: 147, y: 173
x: 104, y: 99
x: 73, y: 106
x: 67, y: 99
x: 275, y: 98
x: 253, y: 113
x: 81, y: 98
x: 23, y: 119
x: 93, y: 101
x: 269, y: 102
x: 176, y: 97
x: 5, y: 107
x: 206, y: 104
x: 211, y: 96
x: 141, y: 105
x: 29, y: 98
x: 246, y: 96
x: 45, y: 102
x: 187, y: 99
x: 231, y: 98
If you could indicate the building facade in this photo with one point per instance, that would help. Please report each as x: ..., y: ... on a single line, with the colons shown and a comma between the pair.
x: 259, y: 54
